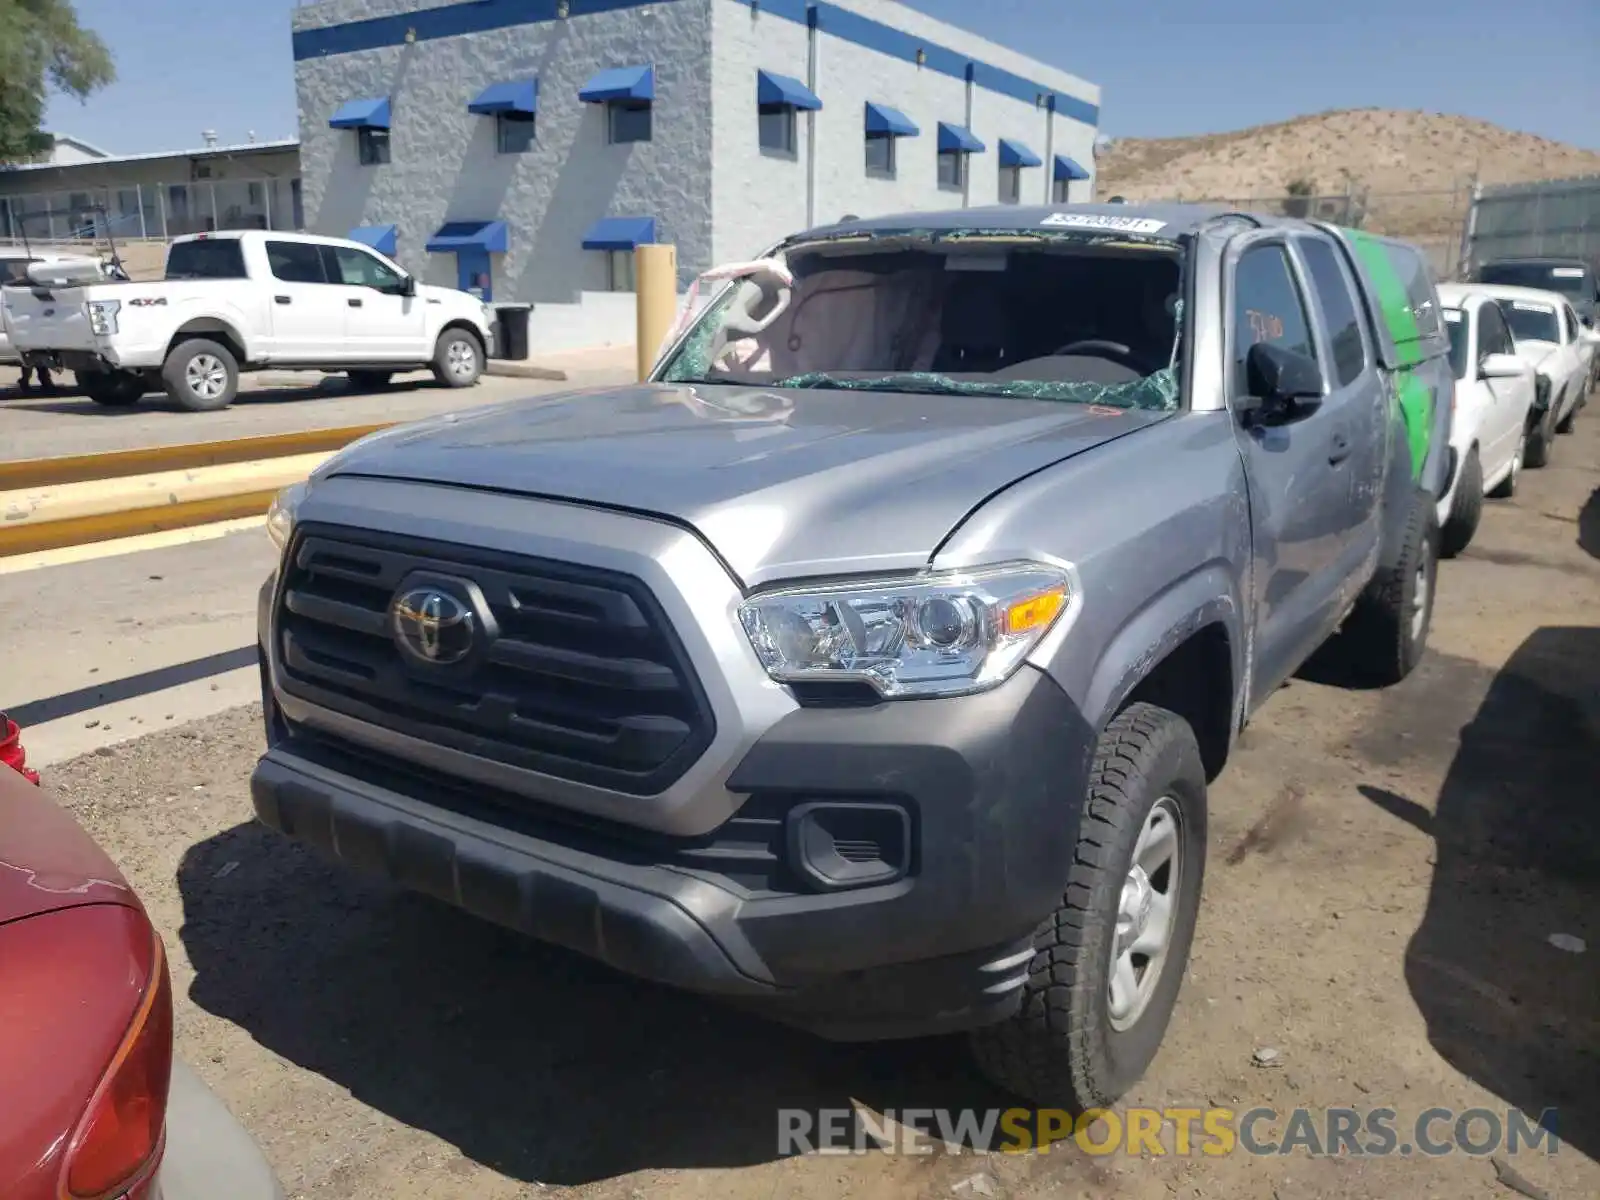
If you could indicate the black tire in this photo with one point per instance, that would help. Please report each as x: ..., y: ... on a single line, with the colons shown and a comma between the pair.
x: 1507, y: 487
x: 1466, y: 508
x: 1388, y: 631
x: 457, y: 359
x: 370, y: 381
x: 1062, y: 1048
x: 215, y: 368
x: 1570, y: 419
x: 112, y: 390
x: 1538, y: 446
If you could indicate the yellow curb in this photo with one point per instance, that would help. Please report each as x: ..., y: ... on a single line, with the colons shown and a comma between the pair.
x: 77, y: 468
x: 166, y: 489
x: 53, y: 535
x: 85, y: 552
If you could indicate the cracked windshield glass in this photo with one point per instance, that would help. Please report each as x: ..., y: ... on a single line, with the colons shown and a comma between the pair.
x: 1065, y: 320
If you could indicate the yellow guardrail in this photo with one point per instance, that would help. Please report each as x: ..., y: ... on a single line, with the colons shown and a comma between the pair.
x: 49, y: 503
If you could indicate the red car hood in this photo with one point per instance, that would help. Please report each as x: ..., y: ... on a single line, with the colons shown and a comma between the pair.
x: 47, y: 861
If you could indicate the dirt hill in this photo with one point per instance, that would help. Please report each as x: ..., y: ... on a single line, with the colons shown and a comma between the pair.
x: 1378, y: 155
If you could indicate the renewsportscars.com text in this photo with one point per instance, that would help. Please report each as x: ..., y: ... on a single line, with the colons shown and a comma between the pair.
x: 1212, y: 1132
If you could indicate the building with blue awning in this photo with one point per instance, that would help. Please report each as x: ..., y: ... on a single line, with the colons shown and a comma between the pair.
x: 524, y: 148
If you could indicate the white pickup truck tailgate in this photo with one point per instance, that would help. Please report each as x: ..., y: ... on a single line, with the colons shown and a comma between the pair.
x: 47, y: 318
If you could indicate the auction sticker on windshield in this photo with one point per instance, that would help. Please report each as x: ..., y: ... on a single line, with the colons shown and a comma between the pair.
x: 1101, y: 221
x: 1567, y: 273
x: 1525, y: 306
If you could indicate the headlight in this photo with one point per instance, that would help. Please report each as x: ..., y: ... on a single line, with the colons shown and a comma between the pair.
x: 103, y: 316
x: 280, y: 514
x: 935, y: 635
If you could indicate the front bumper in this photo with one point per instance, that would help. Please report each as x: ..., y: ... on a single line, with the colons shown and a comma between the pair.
x: 208, y: 1153
x: 990, y: 786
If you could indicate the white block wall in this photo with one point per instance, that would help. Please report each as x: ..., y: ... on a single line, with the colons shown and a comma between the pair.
x: 704, y: 177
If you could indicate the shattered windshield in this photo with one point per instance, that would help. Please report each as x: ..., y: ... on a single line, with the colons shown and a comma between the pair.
x: 1084, y: 320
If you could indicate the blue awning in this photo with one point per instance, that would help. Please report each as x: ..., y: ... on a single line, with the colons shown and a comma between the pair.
x: 492, y: 236
x: 1015, y: 154
x: 620, y: 83
x: 959, y: 139
x: 515, y: 96
x: 380, y: 237
x: 1066, y: 168
x: 362, y: 114
x: 772, y: 88
x: 620, y: 233
x: 881, y: 119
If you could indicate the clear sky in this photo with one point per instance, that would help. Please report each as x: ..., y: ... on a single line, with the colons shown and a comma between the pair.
x: 1166, y: 67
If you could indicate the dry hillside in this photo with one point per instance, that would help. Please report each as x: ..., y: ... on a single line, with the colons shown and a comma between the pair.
x: 1372, y: 152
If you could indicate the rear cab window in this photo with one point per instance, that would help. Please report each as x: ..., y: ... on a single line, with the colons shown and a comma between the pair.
x: 1570, y: 279
x: 211, y: 258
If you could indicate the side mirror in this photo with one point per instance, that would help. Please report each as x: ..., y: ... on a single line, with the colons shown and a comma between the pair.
x: 1501, y: 366
x: 1587, y: 320
x: 408, y: 285
x: 1283, y: 385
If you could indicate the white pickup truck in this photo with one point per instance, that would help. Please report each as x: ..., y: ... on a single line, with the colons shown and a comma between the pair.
x: 233, y: 302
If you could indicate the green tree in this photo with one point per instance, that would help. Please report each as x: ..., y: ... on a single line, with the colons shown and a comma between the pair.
x: 43, y: 46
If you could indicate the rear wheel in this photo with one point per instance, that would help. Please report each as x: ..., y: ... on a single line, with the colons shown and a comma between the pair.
x: 370, y: 381
x: 457, y: 359
x: 114, y: 389
x: 1507, y: 487
x: 1388, y: 631
x: 1108, y: 963
x: 201, y: 375
x: 1466, y: 508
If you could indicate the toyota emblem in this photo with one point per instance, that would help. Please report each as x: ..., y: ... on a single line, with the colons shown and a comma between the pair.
x: 432, y: 626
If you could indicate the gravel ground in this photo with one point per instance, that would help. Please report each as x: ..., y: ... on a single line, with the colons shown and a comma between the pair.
x: 1386, y: 870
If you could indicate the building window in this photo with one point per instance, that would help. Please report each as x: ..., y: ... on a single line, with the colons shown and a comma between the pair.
x: 880, y: 155
x: 777, y: 123
x: 629, y: 120
x: 373, y: 146
x: 1062, y: 187
x: 619, y: 271
x: 1010, y: 185
x: 952, y: 170
x: 514, y: 132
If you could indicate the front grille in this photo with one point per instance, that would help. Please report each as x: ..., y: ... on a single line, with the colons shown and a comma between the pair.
x: 585, y: 680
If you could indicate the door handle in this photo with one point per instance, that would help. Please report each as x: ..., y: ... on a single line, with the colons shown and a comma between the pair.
x: 283, y: 300
x: 1339, y: 449
x: 353, y: 302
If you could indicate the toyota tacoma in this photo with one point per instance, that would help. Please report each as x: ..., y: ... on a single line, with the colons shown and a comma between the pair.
x: 868, y: 664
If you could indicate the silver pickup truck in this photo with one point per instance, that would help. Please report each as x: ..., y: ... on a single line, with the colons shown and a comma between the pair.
x: 868, y: 665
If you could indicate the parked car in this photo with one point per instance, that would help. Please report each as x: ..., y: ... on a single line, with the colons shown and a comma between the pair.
x: 1546, y: 330
x: 247, y: 301
x: 868, y: 665
x: 96, y: 1106
x: 1575, y: 279
x: 1492, y: 410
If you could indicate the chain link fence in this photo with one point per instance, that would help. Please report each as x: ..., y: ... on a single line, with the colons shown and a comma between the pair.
x: 1555, y: 217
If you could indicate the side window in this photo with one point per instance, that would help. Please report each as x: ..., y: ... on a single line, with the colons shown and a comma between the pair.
x: 1421, y: 294
x: 295, y: 262
x: 1267, y: 307
x: 1569, y: 324
x: 359, y: 268
x: 1332, y: 285
x: 1493, y: 336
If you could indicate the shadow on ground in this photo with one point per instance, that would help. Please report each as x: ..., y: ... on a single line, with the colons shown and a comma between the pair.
x: 1517, y: 834
x: 1589, y: 524
x: 534, y: 1062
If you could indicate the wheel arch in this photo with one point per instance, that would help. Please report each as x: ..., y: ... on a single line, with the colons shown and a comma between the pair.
x: 214, y: 328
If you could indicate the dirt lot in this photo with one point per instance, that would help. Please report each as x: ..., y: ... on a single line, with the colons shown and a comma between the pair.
x: 1386, y: 870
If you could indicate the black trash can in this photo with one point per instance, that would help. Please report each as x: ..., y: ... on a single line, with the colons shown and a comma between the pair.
x: 513, y: 339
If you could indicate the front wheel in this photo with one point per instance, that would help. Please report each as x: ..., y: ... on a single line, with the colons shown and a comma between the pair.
x: 1507, y: 487
x: 1466, y: 508
x: 201, y: 375
x: 457, y: 359
x: 1109, y: 961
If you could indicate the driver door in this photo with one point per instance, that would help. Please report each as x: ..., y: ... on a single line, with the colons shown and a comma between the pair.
x: 1303, y: 511
x: 381, y: 324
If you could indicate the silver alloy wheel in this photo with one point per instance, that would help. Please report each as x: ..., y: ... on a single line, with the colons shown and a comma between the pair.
x: 1419, y: 598
x: 206, y: 376
x: 1146, y: 914
x: 461, y: 359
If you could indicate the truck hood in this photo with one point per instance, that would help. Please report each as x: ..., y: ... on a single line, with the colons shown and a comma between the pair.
x: 780, y: 482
